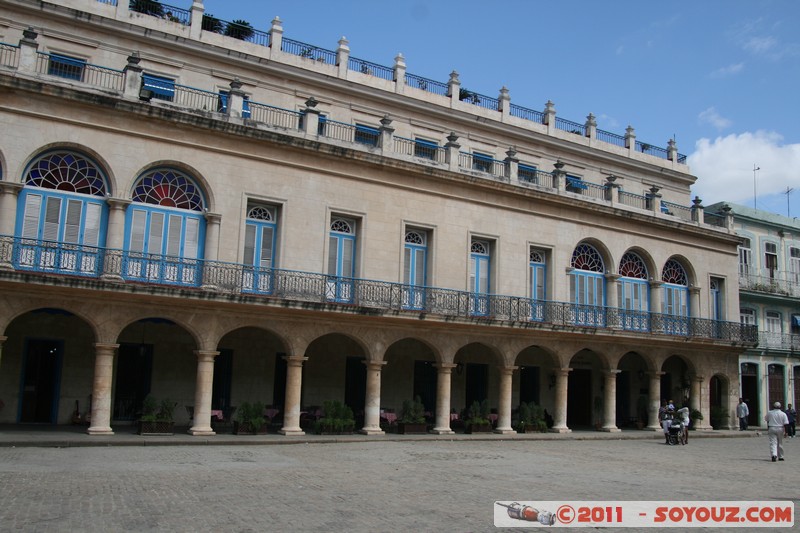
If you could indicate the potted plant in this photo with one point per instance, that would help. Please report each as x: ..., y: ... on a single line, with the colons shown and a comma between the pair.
x: 719, y: 417
x: 239, y: 29
x: 412, y: 417
x: 211, y: 23
x: 337, y: 419
x: 148, y: 7
x: 531, y: 419
x: 250, y: 419
x: 157, y: 417
x: 695, y: 415
x: 478, y: 418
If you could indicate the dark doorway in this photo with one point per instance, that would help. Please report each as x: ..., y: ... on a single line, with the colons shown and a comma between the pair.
x: 134, y: 368
x: 750, y: 393
x: 666, y: 387
x: 775, y: 382
x: 223, y: 374
x: 625, y: 417
x: 355, y: 385
x: 279, y: 381
x: 40, y: 381
x: 529, y: 385
x: 579, y: 398
x: 477, y: 383
x: 425, y: 376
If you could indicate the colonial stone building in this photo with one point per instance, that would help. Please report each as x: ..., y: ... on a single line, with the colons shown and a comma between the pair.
x: 214, y: 214
x: 769, y: 297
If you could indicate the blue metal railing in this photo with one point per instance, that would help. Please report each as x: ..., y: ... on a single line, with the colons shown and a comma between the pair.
x: 159, y: 10
x: 275, y: 116
x: 9, y: 55
x: 236, y: 30
x: 633, y: 200
x: 421, y: 149
x: 527, y: 114
x: 611, y: 138
x: 479, y: 100
x: 79, y: 70
x: 52, y: 258
x: 572, y: 127
x: 370, y: 69
x: 308, y: 51
x: 425, y: 84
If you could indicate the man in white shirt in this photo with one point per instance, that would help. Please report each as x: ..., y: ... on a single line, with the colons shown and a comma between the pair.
x: 776, y: 425
x: 742, y: 411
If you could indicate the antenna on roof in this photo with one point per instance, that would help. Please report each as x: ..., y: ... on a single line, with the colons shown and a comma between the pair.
x: 787, y: 192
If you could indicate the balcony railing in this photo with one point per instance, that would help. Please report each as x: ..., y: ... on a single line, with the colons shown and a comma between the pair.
x: 9, y: 55
x: 308, y: 51
x: 779, y: 341
x: 777, y: 282
x: 52, y: 258
x: 77, y: 70
x: 275, y: 116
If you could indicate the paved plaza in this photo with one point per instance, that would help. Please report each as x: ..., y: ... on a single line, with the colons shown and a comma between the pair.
x: 369, y: 485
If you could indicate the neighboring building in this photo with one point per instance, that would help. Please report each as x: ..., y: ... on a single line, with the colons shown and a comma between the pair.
x: 769, y: 297
x: 217, y: 220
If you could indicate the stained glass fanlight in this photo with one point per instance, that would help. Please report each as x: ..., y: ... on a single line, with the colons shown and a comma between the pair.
x: 64, y: 170
x: 632, y: 266
x: 168, y: 188
x: 674, y: 273
x: 586, y: 257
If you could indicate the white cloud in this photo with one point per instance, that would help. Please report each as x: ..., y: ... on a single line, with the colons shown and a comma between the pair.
x: 730, y: 70
x: 724, y: 167
x: 710, y: 116
x: 760, y: 45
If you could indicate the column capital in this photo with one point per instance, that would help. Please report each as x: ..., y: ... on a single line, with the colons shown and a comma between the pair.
x: 10, y: 187
x: 563, y: 371
x: 295, y: 360
x: 507, y: 369
x: 609, y: 373
x: 373, y: 365
x: 3, y: 339
x: 118, y: 203
x: 445, y: 366
x: 206, y: 355
x: 105, y: 346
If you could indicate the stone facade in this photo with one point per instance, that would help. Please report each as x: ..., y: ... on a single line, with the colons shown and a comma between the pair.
x: 214, y: 221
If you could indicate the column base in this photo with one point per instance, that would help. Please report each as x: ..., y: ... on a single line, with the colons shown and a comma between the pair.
x: 442, y: 431
x: 201, y: 432
x: 611, y: 429
x: 500, y: 431
x: 654, y: 428
x: 291, y: 431
x: 100, y: 431
x: 560, y: 430
x: 371, y: 431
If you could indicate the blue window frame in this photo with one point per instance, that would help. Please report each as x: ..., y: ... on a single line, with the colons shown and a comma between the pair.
x: 479, y: 277
x: 575, y: 184
x: 66, y: 67
x: 160, y: 87
x: 587, y: 287
x: 527, y: 173
x: 425, y: 149
x: 538, y: 280
x: 222, y: 106
x: 341, y: 260
x: 366, y: 135
x: 675, y: 305
x: 259, y: 249
x: 633, y: 293
x: 415, y: 256
x: 482, y: 162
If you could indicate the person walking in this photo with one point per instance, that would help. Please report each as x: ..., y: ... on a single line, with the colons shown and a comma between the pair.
x: 742, y: 411
x: 776, y: 425
x: 791, y: 414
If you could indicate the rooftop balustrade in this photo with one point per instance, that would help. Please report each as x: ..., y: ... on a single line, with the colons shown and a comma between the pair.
x: 47, y: 258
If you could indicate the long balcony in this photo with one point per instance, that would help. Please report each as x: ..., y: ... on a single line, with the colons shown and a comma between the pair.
x: 769, y: 341
x: 58, y: 259
x: 774, y: 282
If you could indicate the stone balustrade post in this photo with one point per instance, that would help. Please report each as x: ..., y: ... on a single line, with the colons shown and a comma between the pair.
x: 504, y: 104
x: 591, y: 126
x: 672, y: 151
x: 276, y: 36
x: 443, y: 384
x: 197, y: 12
x: 454, y: 88
x: 610, y: 402
x: 727, y: 212
x: 343, y: 57
x: 630, y: 140
x: 235, y: 107
x: 504, y: 400
x: 559, y: 176
x: 386, y: 135
x: 372, y: 401
x: 550, y: 117
x: 133, y: 77
x: 512, y: 165
x: 101, y: 389
x: 311, y: 117
x: 452, y: 151
x: 28, y: 51
x: 612, y: 190
x: 291, y: 409
x: 653, y: 200
x: 560, y: 408
x: 698, y: 211
x: 399, y: 73
x: 204, y: 383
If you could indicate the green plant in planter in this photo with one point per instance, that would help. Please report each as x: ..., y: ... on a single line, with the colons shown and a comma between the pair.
x: 478, y: 417
x: 157, y: 417
x: 211, y: 23
x: 531, y: 418
x: 239, y: 29
x: 719, y: 415
x: 412, y: 417
x: 337, y: 419
x: 695, y: 415
x: 148, y: 7
x: 249, y: 418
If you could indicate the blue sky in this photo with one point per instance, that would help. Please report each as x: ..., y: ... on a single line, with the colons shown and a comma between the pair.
x: 720, y: 76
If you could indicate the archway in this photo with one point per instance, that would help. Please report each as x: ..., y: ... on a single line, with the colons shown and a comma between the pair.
x: 633, y: 391
x: 585, y: 391
x: 409, y: 372
x: 535, y: 381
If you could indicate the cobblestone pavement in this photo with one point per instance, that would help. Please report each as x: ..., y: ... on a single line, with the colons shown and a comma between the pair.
x: 437, y: 485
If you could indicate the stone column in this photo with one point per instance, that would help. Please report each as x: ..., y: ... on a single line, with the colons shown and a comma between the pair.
x: 115, y: 238
x: 343, y: 57
x: 612, y: 309
x: 694, y: 301
x: 559, y: 179
x: 387, y: 135
x: 612, y: 190
x: 653, y: 200
x: 445, y: 371
x: 698, y: 211
x: 212, y: 236
x: 672, y: 150
x: 235, y: 107
x: 197, y: 19
x: 656, y: 304
x: 101, y: 389
x: 399, y: 73
x: 372, y: 401
x: 512, y: 165
x: 630, y: 139
x: 591, y: 126
x: 276, y: 35
x: 504, y: 103
x: 294, y: 380
x: 504, y: 400
x: 454, y: 88
x: 451, y: 153
x: 28, y: 51
x: 204, y: 384
x: 133, y: 77
x: 560, y: 414
x: 695, y: 402
x: 610, y: 402
x: 9, y: 193
x: 654, y: 401
x: 311, y: 117
x: 550, y: 117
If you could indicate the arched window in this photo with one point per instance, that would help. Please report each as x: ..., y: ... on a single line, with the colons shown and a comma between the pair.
x: 165, y: 228
x: 676, y: 298
x: 62, y: 203
x: 633, y: 292
x: 587, y: 288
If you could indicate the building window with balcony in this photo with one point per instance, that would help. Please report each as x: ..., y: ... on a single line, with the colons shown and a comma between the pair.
x: 747, y: 317
x: 587, y: 287
x: 165, y: 229
x: 527, y: 173
x: 675, y: 306
x: 771, y: 258
x: 633, y: 292
x: 415, y: 258
x: 537, y: 268
x: 159, y: 87
x: 341, y: 259
x: 794, y: 264
x: 425, y: 149
x: 717, y: 292
x: 482, y: 162
x: 575, y: 184
x: 67, y: 67
x: 745, y: 258
x: 366, y: 135
x: 259, y: 248
x: 773, y: 329
x: 480, y: 260
x: 61, y: 220
x: 222, y: 104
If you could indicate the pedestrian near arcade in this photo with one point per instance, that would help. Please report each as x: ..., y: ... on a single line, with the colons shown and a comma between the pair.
x: 791, y: 414
x: 742, y: 411
x: 776, y: 425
